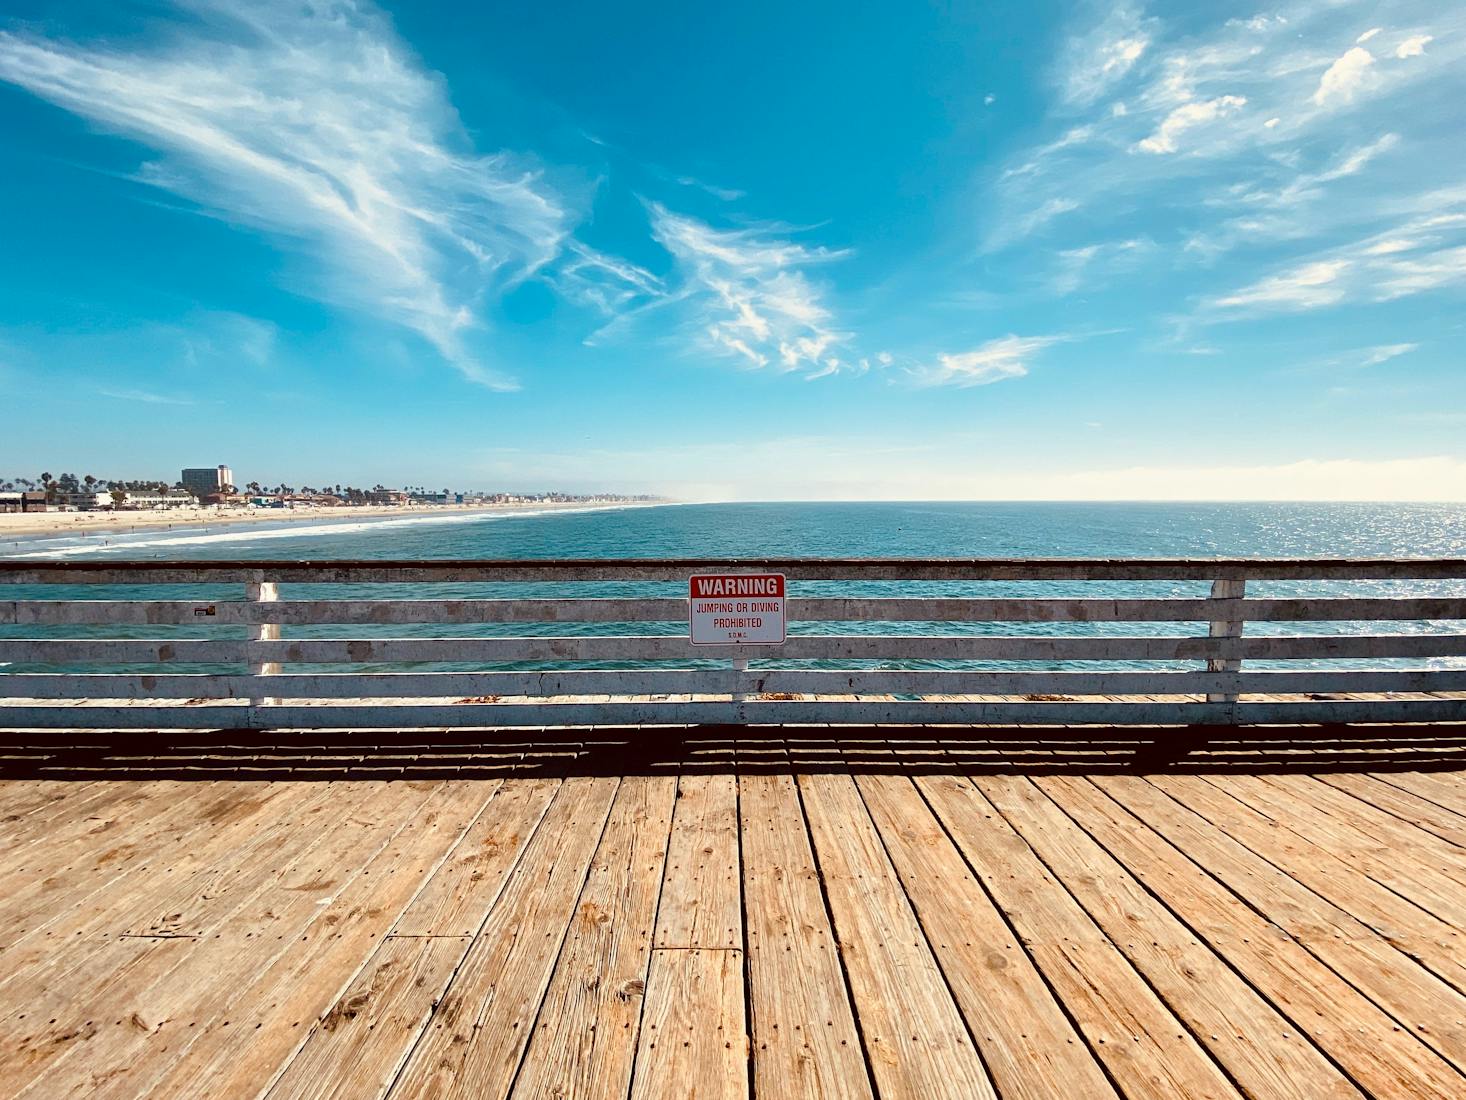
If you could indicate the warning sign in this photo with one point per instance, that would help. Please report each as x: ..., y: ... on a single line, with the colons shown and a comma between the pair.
x: 736, y: 609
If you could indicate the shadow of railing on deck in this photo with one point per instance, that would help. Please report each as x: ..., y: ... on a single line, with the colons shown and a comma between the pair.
x: 477, y: 754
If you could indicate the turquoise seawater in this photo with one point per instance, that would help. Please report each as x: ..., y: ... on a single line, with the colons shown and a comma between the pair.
x: 809, y: 530
x: 829, y: 530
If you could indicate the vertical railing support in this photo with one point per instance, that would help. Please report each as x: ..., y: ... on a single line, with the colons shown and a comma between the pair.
x: 740, y: 671
x: 1228, y: 627
x: 260, y: 591
x: 739, y: 695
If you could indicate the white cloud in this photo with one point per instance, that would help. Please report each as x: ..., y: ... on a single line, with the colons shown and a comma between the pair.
x: 1391, y: 245
x: 727, y: 194
x: 1343, y: 79
x: 1303, y: 287
x: 1373, y: 357
x: 317, y: 125
x: 1186, y: 117
x: 1097, y: 60
x: 995, y: 361
x: 1307, y: 185
x: 749, y: 291
x: 146, y: 397
x: 1196, y: 140
x: 1423, y: 253
x: 1030, y: 222
x: 1400, y: 278
x: 1367, y: 35
x: 1414, y: 46
x: 605, y: 282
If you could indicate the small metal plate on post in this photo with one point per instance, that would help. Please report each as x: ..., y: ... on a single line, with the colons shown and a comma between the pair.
x: 736, y: 609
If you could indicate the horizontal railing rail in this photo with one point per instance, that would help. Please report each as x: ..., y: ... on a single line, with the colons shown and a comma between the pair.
x: 240, y: 656
x: 382, y: 571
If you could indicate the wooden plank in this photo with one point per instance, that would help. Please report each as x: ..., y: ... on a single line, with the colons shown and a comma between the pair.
x: 916, y: 1041
x: 1131, y: 1031
x: 1432, y: 942
x: 1369, y: 826
x: 1259, y: 1046
x: 357, y: 1047
x: 586, y: 1037
x: 61, y: 834
x: 661, y: 609
x: 694, y: 1037
x: 589, y: 609
x: 458, y: 898
x: 1428, y: 886
x: 803, y: 1033
x: 1357, y: 609
x: 112, y: 571
x: 23, y: 802
x: 1195, y: 865
x: 251, y: 1034
x: 476, y: 1037
x: 1445, y: 789
x: 49, y: 883
x: 1406, y: 805
x: 756, y: 711
x: 219, y: 852
x: 438, y: 685
x: 1028, y: 1045
x: 174, y: 978
x: 83, y: 651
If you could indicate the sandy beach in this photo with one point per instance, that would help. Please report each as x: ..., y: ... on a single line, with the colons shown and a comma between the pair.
x: 43, y: 524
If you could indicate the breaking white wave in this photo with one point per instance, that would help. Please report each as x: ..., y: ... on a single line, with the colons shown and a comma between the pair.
x: 104, y: 543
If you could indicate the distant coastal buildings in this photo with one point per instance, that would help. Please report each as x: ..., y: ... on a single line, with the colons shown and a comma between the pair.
x: 215, y: 487
x: 206, y: 481
x: 13, y: 501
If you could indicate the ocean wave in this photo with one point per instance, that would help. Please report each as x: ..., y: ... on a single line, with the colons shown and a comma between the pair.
x: 248, y: 532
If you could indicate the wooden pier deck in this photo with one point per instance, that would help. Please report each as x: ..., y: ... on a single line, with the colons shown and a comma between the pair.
x: 772, y: 913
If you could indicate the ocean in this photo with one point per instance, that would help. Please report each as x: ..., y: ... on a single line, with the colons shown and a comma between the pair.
x: 1118, y: 530
x: 822, y: 530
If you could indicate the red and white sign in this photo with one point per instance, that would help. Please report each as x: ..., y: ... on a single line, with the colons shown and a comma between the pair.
x: 736, y: 609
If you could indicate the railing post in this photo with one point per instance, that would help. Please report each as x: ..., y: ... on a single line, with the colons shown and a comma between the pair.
x: 739, y: 695
x: 260, y: 591
x: 1230, y: 627
x: 740, y: 670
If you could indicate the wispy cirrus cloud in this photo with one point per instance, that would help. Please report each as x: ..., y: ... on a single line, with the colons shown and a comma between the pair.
x: 1186, y: 117
x: 749, y: 294
x: 147, y: 397
x: 1373, y: 357
x: 1425, y: 252
x: 995, y: 361
x: 1227, y: 107
x: 1096, y: 59
x: 317, y: 125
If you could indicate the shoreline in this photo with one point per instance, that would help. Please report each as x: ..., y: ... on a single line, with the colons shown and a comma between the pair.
x: 31, y: 529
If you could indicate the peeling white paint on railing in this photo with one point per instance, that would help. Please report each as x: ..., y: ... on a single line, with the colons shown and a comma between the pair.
x: 266, y: 689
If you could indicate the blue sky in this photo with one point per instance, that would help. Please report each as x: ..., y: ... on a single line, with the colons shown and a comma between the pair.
x: 772, y: 251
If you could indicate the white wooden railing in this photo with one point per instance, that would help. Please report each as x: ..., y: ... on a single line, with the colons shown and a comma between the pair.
x: 859, y: 676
